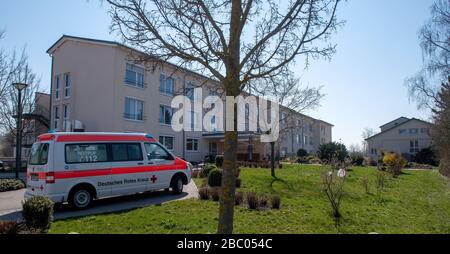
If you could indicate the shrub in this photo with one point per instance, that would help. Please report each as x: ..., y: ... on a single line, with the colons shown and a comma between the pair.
x: 38, y: 213
x: 215, y: 193
x: 444, y: 168
x: 302, y: 160
x: 203, y: 193
x: 313, y: 160
x: 9, y: 227
x: 210, y: 159
x: 239, y: 199
x: 381, y: 179
x: 426, y: 156
x: 333, y: 150
x: 11, y: 184
x: 333, y: 185
x: 357, y: 158
x: 238, y: 183
x: 219, y: 161
x: 302, y: 152
x: 263, y: 202
x: 275, y: 202
x: 206, y: 169
x: 195, y: 174
x: 368, y: 161
x: 215, y: 178
x: 252, y: 201
x: 395, y: 163
x: 366, y: 184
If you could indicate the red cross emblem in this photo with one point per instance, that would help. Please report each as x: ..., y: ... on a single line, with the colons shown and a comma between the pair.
x: 154, y: 178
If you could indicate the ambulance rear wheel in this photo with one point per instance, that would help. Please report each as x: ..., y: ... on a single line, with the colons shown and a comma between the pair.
x: 177, y: 185
x: 80, y: 198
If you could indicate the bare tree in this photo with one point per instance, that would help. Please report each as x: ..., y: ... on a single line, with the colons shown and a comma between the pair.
x: 232, y: 41
x: 367, y: 133
x: 14, y: 68
x: 355, y: 148
x: 333, y: 181
x: 434, y: 39
x: 441, y: 129
x: 293, y: 98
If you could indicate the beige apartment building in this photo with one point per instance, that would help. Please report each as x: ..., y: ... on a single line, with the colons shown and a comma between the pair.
x: 405, y: 136
x: 96, y: 87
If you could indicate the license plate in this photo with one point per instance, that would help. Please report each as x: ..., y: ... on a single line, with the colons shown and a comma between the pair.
x: 34, y: 177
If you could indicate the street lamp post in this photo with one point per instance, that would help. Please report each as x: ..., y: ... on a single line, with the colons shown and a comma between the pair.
x: 19, y: 87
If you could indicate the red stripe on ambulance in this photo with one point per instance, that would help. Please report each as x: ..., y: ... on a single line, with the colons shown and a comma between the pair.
x: 102, y: 138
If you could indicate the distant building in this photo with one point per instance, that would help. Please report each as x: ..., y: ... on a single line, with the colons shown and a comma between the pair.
x: 36, y: 122
x: 97, y: 88
x: 405, y: 136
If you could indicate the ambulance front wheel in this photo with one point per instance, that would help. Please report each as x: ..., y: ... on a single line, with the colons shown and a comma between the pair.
x: 80, y: 198
x: 177, y: 185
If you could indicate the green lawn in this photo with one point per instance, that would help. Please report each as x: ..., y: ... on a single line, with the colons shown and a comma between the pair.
x: 416, y: 202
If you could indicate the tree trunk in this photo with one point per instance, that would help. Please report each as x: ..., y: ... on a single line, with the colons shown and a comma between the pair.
x: 272, y: 158
x: 232, y: 88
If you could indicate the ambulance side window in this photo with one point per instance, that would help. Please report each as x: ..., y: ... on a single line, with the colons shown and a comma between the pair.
x: 86, y: 153
x: 155, y: 152
x: 126, y: 152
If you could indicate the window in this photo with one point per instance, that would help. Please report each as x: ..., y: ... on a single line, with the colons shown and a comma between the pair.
x: 66, y: 122
x: 213, y: 123
x: 134, y: 75
x: 57, y: 88
x: 126, y: 152
x: 66, y: 112
x: 298, y: 138
x: 86, y: 153
x: 212, y: 147
x: 283, y: 117
x: 413, y: 131
x: 165, y: 114
x: 310, y: 127
x: 374, y: 151
x: 414, y: 146
x: 39, y: 154
x: 166, y: 84
x: 425, y: 130
x: 192, y: 120
x: 299, y: 123
x: 56, y: 117
x: 402, y: 131
x: 155, y: 152
x: 305, y: 140
x: 67, y: 85
x: 190, y: 93
x: 310, y: 140
x: 192, y: 144
x: 134, y: 109
x: 167, y: 142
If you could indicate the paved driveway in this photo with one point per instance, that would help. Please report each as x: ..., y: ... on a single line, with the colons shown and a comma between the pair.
x: 10, y: 203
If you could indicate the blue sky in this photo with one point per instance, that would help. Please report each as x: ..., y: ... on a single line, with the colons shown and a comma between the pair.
x: 377, y: 50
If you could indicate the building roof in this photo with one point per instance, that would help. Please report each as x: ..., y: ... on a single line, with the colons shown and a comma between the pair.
x: 395, y: 126
x: 64, y: 37
x: 393, y: 121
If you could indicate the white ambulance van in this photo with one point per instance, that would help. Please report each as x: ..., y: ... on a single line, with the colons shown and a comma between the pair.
x: 79, y: 167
